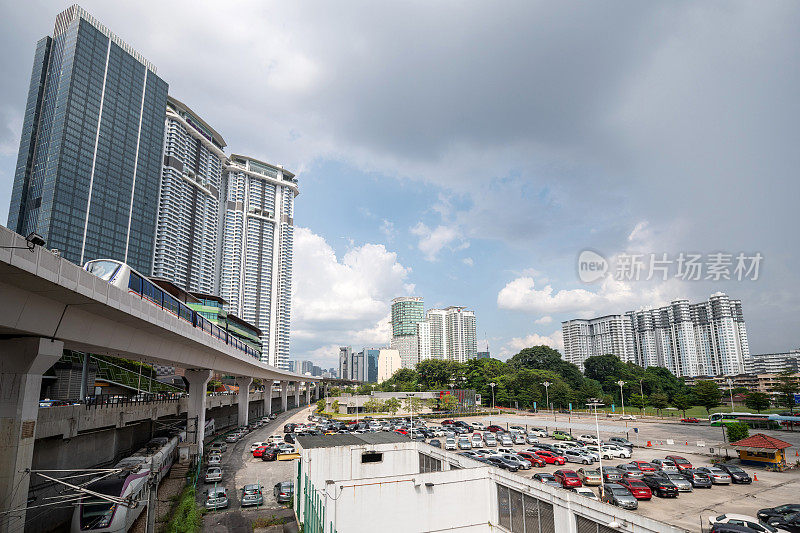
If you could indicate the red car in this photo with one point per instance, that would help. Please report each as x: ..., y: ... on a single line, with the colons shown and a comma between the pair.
x: 551, y: 458
x: 691, y: 420
x: 495, y: 429
x: 680, y: 462
x: 534, y: 459
x: 448, y: 422
x: 637, y: 488
x: 401, y: 431
x: 567, y: 478
x: 645, y: 467
x: 258, y: 452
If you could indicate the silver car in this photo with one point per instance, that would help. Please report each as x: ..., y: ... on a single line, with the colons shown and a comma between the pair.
x: 213, y: 474
x: 620, y: 496
x: 216, y: 498
x: 717, y: 475
x: 214, y: 459
x: 251, y: 495
x: 680, y: 482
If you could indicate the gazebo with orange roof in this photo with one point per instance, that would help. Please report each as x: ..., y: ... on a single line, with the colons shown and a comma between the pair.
x: 761, y: 450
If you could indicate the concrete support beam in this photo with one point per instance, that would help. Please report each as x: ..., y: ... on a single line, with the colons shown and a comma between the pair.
x: 285, y: 395
x: 308, y: 392
x: 196, y: 414
x: 297, y: 394
x: 244, y: 399
x: 267, y: 397
x: 22, y: 362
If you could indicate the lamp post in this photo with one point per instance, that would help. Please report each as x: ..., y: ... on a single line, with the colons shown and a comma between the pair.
x: 492, y: 385
x: 595, y: 403
x: 621, y: 396
x: 641, y: 392
x: 547, y: 393
x: 729, y: 381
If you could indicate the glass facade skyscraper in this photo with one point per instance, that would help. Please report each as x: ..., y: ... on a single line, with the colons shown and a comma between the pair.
x: 407, y: 311
x: 88, y: 170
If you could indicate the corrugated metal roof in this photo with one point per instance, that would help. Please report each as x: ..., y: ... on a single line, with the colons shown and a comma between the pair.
x: 347, y: 439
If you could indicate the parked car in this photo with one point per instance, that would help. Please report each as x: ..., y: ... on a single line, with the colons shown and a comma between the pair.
x: 216, y: 498
x: 436, y: 443
x: 765, y: 514
x: 518, y: 438
x: 532, y: 458
x: 251, y: 495
x: 697, y: 479
x: 495, y: 429
x: 567, y: 478
x: 531, y: 439
x: 690, y: 420
x: 505, y: 440
x: 731, y: 528
x: 489, y: 439
x: 574, y: 456
x: 661, y: 487
x: 214, y: 459
x: 464, y: 443
x: 584, y: 491
x: 285, y: 448
x: 213, y: 474
x: 737, y: 474
x: 677, y: 479
x: 628, y: 417
x: 233, y: 437
x: 637, y: 488
x: 522, y: 464
x: 551, y: 458
x: 562, y: 435
x: 630, y: 471
x: 611, y: 474
x: 591, y: 439
x: 476, y: 440
x: 744, y: 520
x: 478, y: 426
x: 283, y: 491
x: 547, y: 479
x: 290, y: 438
x: 665, y: 464
x: 499, y: 462
x: 218, y: 446
x: 621, y: 441
x: 618, y: 495
x: 589, y: 476
x: 289, y: 428
x: 789, y: 522
x: 537, y: 432
x: 645, y: 467
x: 258, y: 452
x: 270, y: 454
x: 618, y: 450
x: 717, y: 475
x: 680, y: 462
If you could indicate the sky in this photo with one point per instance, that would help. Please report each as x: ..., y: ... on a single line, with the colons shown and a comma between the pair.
x: 468, y: 152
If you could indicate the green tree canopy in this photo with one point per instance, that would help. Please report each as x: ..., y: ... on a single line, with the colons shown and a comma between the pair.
x: 786, y: 388
x: 707, y: 394
x: 682, y: 401
x: 737, y: 431
x: 757, y: 401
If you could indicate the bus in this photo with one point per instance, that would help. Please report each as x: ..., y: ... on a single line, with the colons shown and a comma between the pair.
x: 723, y: 419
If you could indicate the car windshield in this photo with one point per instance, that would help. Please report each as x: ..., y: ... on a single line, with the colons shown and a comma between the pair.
x: 620, y: 492
x: 735, y: 469
x: 591, y: 472
x: 637, y: 484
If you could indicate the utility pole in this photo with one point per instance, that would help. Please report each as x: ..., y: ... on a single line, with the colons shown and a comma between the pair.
x: 547, y: 392
x: 621, y: 397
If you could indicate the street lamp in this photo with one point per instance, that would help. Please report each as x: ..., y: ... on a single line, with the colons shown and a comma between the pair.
x: 641, y: 393
x: 547, y: 393
x: 492, y: 385
x: 729, y: 381
x: 621, y: 396
x: 596, y: 403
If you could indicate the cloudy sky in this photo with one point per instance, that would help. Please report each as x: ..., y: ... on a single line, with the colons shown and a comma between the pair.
x: 467, y: 152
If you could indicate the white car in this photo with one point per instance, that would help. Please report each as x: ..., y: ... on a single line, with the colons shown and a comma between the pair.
x: 618, y: 451
x: 450, y: 443
x: 744, y: 520
x: 490, y: 439
x: 537, y: 432
x: 215, y: 460
x: 518, y: 438
x: 627, y: 417
x: 255, y: 445
x: 589, y: 438
x: 530, y: 439
x: 505, y: 440
x: 274, y: 439
x: 478, y: 426
x: 665, y: 464
x: 584, y: 491
x: 477, y: 440
x: 519, y: 429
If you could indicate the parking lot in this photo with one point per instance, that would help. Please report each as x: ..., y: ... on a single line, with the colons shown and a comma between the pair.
x: 240, y: 468
x: 689, y: 508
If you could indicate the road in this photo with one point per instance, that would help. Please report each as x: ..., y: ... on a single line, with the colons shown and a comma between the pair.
x: 241, y: 468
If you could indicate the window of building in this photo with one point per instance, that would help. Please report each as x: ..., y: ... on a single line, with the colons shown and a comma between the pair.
x: 429, y: 464
x: 371, y: 457
x: 586, y: 525
x: 520, y: 513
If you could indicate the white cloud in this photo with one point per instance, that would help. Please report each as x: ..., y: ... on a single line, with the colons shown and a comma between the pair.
x: 554, y: 340
x: 387, y: 228
x: 543, y: 320
x: 342, y: 301
x: 468, y: 261
x: 432, y: 241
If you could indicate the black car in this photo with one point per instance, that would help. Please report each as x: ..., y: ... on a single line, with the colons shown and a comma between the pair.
x: 270, y: 454
x: 464, y: 425
x: 661, y: 487
x: 737, y: 474
x: 289, y: 428
x: 765, y: 514
x: 502, y: 463
x: 697, y: 479
x: 289, y: 437
x: 436, y: 443
x: 612, y: 474
x: 789, y: 522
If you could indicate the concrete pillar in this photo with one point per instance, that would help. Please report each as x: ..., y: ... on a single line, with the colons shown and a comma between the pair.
x: 308, y: 392
x: 244, y: 399
x: 196, y: 417
x: 297, y: 394
x: 285, y: 395
x: 23, y: 360
x: 267, y: 397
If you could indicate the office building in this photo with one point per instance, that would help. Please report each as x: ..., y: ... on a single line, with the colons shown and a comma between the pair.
x: 584, y: 338
x: 358, y: 366
x: 406, y: 313
x: 257, y: 246
x: 345, y: 360
x: 188, y: 231
x: 306, y: 367
x: 88, y: 170
x: 389, y: 362
x: 706, y: 338
x: 448, y: 334
x: 372, y: 364
x: 773, y: 363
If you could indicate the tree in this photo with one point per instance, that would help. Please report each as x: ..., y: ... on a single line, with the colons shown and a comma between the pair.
x: 413, y: 404
x: 637, y: 401
x: 737, y: 431
x: 708, y: 394
x: 335, y: 406
x: 757, y: 400
x: 372, y: 405
x: 659, y: 400
x: 601, y: 367
x: 449, y: 402
x: 392, y: 405
x: 786, y: 389
x: 682, y: 401
x: 546, y: 358
x: 321, y: 405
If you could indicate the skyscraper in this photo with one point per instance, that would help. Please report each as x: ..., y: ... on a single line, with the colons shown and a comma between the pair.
x: 257, y: 245
x: 448, y: 333
x: 345, y: 360
x: 406, y: 313
x: 706, y: 338
x: 88, y: 169
x: 187, y: 247
x: 584, y: 338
